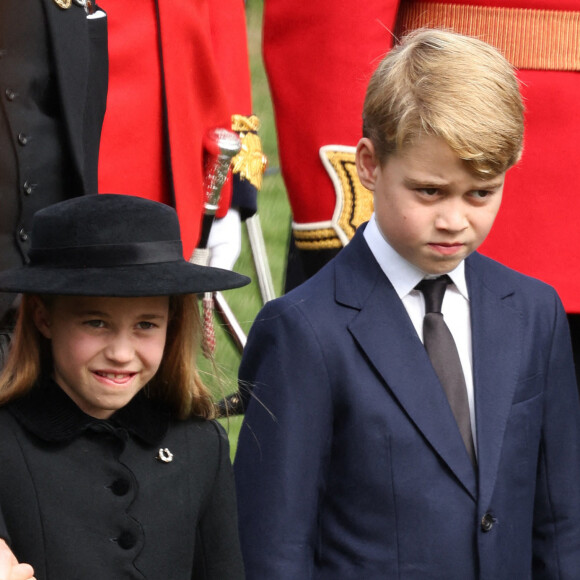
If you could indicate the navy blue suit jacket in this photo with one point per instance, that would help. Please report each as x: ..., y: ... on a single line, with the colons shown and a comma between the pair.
x: 350, y: 464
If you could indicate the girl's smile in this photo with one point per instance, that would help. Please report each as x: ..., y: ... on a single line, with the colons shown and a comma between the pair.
x: 105, y: 350
x: 120, y: 378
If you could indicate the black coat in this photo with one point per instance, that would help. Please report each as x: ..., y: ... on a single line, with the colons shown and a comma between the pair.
x: 85, y: 498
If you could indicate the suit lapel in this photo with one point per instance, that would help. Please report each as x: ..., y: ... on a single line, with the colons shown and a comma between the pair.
x: 68, y: 36
x: 385, y: 333
x: 496, y: 344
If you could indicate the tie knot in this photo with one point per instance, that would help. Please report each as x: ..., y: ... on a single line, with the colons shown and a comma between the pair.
x: 433, y: 289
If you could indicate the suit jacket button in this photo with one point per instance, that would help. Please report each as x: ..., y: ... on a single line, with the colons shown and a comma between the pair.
x: 487, y: 522
x: 27, y: 187
x: 10, y: 94
x: 22, y: 138
x: 23, y: 235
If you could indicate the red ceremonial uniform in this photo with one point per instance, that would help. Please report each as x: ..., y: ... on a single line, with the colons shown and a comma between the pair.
x: 176, y: 70
x: 319, y: 57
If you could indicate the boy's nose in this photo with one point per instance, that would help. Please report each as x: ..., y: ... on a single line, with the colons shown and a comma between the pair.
x: 452, y: 217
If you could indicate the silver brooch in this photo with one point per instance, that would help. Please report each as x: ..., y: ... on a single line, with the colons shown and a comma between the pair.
x: 165, y: 455
x: 66, y: 4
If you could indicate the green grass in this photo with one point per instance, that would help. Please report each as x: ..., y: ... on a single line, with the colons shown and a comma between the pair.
x: 274, y: 213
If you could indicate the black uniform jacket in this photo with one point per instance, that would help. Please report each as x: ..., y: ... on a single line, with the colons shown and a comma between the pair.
x: 53, y: 91
x: 136, y: 496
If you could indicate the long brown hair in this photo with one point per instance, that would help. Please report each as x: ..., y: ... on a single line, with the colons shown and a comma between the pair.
x: 177, y: 382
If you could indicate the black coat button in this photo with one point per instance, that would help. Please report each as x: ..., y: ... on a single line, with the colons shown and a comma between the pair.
x: 126, y: 540
x: 22, y: 138
x: 23, y: 235
x: 10, y: 94
x: 120, y: 487
x: 487, y: 522
x: 28, y: 187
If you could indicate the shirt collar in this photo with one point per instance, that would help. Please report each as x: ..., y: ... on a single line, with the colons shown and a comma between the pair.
x: 49, y: 413
x: 403, y: 275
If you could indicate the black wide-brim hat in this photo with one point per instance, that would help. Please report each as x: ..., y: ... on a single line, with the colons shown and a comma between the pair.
x: 111, y: 245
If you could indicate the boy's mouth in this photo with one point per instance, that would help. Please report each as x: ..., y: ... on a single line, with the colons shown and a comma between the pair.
x: 446, y: 248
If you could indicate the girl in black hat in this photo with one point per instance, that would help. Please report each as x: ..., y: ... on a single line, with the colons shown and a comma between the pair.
x: 111, y: 464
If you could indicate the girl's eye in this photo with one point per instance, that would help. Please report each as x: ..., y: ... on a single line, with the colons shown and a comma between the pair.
x: 95, y: 323
x: 145, y: 325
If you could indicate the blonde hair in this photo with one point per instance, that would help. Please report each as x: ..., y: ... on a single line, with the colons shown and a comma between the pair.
x: 450, y: 86
x: 177, y: 382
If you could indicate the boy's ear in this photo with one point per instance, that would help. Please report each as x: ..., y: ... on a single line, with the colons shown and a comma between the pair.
x: 41, y: 317
x: 366, y: 163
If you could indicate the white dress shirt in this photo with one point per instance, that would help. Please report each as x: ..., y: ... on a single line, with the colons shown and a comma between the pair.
x: 404, y: 276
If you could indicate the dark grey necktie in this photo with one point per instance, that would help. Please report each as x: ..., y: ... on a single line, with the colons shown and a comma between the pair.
x: 442, y: 351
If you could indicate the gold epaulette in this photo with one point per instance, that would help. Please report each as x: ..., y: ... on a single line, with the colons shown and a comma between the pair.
x: 250, y: 163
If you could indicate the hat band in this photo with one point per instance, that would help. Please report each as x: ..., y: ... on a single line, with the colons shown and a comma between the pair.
x: 108, y: 256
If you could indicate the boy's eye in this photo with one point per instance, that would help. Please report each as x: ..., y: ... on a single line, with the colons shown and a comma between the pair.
x: 145, y: 325
x: 95, y: 323
x: 428, y: 191
x: 480, y: 193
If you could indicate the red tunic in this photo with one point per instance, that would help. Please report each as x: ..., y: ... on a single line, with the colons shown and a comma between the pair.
x: 197, y: 53
x: 319, y: 57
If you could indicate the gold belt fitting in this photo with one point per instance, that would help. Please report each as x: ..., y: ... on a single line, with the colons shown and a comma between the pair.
x: 529, y: 38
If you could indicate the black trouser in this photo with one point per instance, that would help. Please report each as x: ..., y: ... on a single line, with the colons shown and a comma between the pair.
x: 574, y: 321
x: 302, y: 264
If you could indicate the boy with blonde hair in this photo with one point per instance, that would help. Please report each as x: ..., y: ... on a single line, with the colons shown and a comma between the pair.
x: 414, y: 411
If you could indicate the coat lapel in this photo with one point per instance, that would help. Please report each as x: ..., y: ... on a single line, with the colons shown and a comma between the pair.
x: 385, y: 333
x: 497, y: 346
x: 68, y: 35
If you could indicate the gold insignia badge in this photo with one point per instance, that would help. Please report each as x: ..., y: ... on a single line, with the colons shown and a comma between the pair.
x: 354, y: 203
